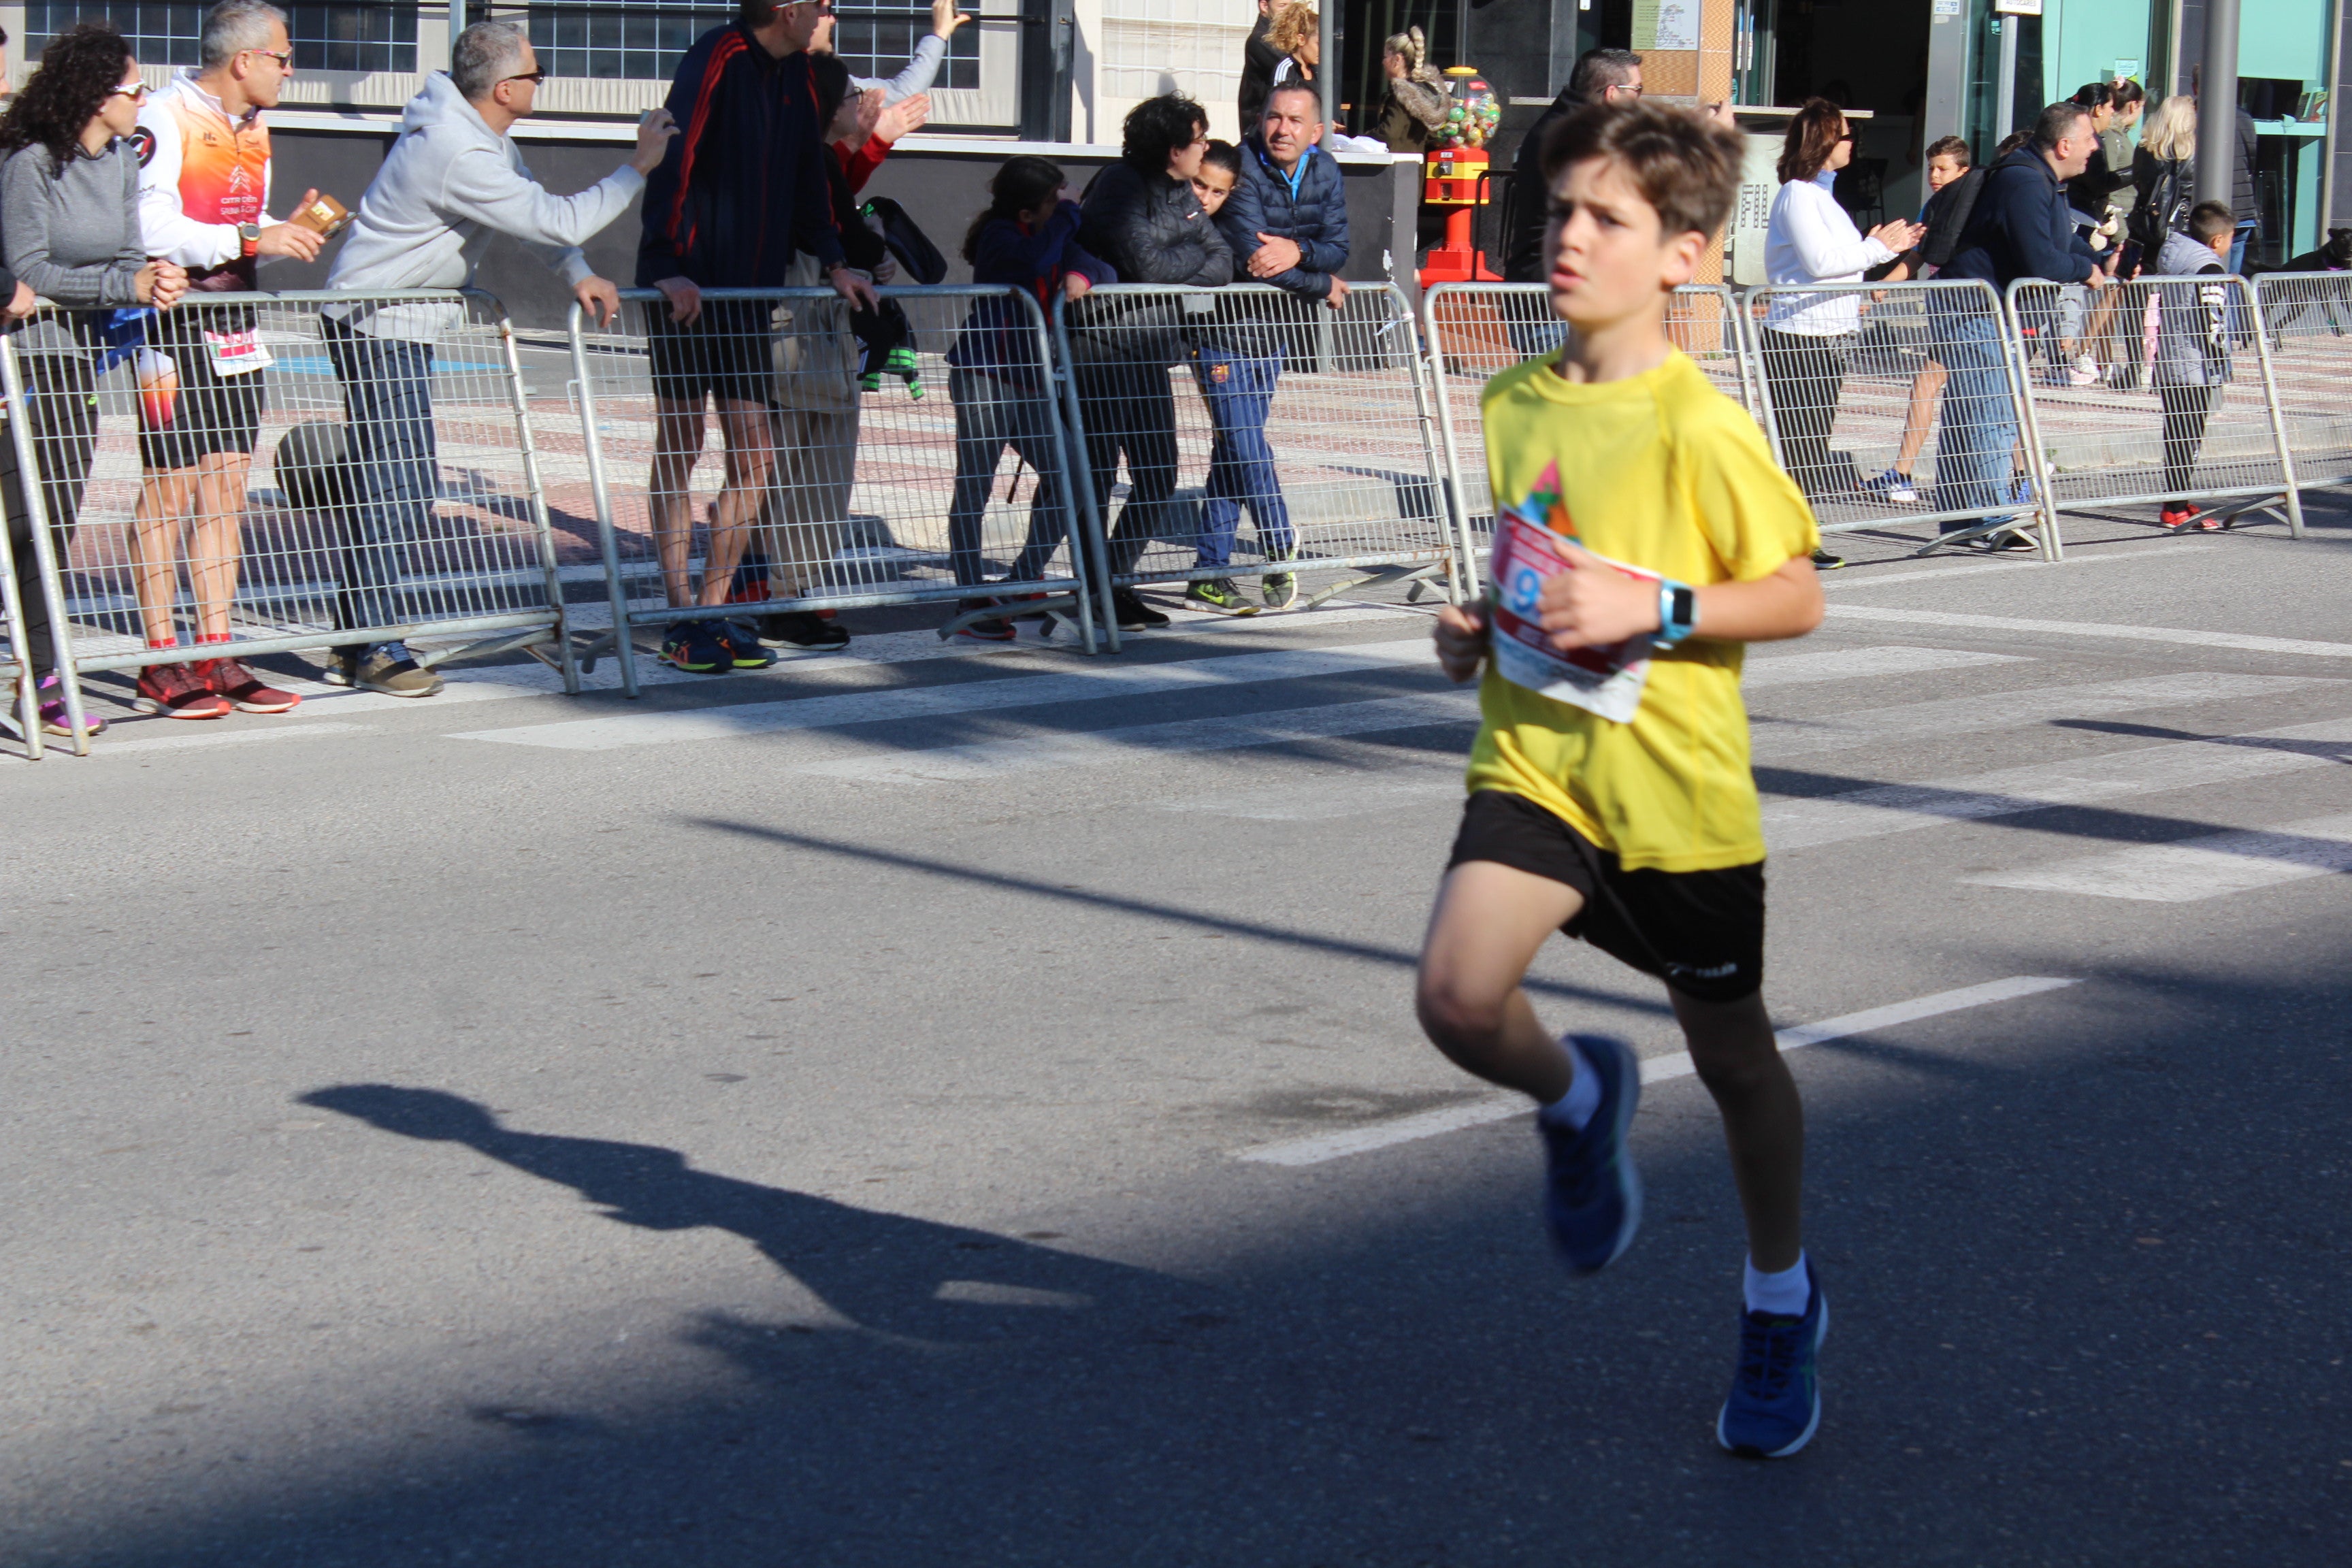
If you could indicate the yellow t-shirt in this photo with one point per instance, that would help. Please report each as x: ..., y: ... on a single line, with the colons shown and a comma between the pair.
x: 1663, y: 472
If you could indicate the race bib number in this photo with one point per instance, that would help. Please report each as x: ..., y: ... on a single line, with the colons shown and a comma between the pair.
x: 237, y: 354
x: 1528, y: 553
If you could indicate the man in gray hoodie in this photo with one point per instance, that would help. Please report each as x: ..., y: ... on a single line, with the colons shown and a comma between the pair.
x: 453, y: 179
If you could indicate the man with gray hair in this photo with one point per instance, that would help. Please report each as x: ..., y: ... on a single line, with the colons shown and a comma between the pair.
x: 453, y: 179
x: 203, y: 198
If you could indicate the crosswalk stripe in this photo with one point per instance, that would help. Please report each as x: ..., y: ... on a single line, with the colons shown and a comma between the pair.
x: 1855, y: 663
x: 2095, y: 629
x: 1777, y: 739
x: 1886, y: 809
x: 1033, y: 754
x: 2194, y: 869
x: 1092, y: 684
x: 1868, y: 578
x: 1324, y: 1146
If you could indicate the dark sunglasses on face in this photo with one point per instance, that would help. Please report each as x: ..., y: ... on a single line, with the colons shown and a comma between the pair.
x: 537, y: 76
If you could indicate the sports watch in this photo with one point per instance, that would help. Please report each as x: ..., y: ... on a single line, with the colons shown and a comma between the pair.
x: 1677, y: 612
x: 250, y: 235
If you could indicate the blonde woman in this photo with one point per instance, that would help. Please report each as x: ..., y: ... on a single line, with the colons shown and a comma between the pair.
x: 2165, y: 170
x: 1417, y: 101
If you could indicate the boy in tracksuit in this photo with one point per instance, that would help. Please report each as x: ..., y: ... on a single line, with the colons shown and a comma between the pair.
x: 2192, y: 349
x: 1287, y: 222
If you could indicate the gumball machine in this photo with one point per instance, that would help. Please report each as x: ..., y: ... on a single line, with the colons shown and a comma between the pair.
x: 1455, y: 177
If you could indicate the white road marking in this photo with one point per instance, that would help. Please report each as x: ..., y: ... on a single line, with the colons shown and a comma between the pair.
x: 1033, y: 754
x: 115, y: 744
x: 1855, y: 663
x: 1326, y: 1146
x: 1092, y: 683
x: 2194, y: 869
x: 2148, y: 770
x: 2095, y: 629
x: 1775, y: 740
x: 1847, y: 579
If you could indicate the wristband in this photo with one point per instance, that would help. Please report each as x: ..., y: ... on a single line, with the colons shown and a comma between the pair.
x: 1678, y: 613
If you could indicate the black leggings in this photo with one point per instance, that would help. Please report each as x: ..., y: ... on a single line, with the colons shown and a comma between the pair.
x: 1802, y: 374
x: 2186, y: 409
x: 1129, y: 407
x: 65, y: 436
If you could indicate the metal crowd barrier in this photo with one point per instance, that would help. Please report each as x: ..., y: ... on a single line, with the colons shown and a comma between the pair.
x: 2307, y: 320
x: 2182, y: 405
x: 865, y: 478
x: 1475, y: 330
x: 1251, y: 400
x: 23, y: 679
x: 1898, y: 404
x: 300, y: 470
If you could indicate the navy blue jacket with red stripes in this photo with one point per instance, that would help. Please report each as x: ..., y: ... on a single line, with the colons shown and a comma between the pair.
x: 743, y: 186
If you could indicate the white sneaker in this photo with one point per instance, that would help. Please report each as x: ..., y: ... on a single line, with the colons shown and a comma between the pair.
x: 2086, y: 372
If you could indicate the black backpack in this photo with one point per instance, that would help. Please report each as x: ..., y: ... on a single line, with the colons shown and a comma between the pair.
x: 2164, y: 206
x: 906, y: 240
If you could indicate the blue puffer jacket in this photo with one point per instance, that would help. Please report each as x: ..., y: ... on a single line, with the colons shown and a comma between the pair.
x: 2020, y: 227
x: 1315, y: 215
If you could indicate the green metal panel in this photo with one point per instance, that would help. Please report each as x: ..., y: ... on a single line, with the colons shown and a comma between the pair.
x: 2284, y: 38
x: 2082, y: 40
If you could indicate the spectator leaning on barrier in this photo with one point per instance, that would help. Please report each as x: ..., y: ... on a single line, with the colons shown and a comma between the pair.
x: 1601, y: 76
x: 1141, y: 216
x: 920, y: 72
x: 453, y: 179
x: 203, y: 197
x: 2017, y: 229
x: 2192, y: 349
x: 739, y: 195
x: 69, y: 233
x: 1805, y: 337
x: 1288, y: 217
x: 1002, y: 392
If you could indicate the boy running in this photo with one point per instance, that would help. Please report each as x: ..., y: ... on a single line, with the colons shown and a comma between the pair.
x: 1642, y: 835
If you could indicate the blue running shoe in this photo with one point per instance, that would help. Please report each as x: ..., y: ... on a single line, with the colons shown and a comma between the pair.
x: 743, y: 645
x: 1776, y: 1397
x: 695, y: 646
x: 1592, y: 1196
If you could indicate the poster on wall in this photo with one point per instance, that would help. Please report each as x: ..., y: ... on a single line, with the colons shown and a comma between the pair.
x: 1665, y: 25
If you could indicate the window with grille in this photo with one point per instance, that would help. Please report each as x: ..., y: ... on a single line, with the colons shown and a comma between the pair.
x: 362, y: 38
x: 877, y: 40
x: 612, y: 42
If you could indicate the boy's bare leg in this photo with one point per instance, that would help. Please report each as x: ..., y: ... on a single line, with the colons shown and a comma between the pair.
x: 1489, y: 922
x: 1919, y: 415
x: 1732, y: 1047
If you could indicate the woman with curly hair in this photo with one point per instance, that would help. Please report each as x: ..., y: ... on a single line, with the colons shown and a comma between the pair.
x: 1417, y: 101
x: 70, y: 233
x: 1297, y: 36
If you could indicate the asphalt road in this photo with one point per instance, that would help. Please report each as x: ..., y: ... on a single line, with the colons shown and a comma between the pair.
x: 773, y: 1121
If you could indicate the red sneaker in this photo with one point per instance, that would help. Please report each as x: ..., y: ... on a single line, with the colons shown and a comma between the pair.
x: 173, y: 690
x: 241, y: 686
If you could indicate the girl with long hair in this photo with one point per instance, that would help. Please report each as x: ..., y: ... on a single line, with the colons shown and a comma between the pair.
x: 1026, y: 236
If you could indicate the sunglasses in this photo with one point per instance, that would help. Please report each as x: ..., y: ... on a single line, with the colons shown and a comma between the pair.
x: 533, y: 77
x: 285, y: 60
x: 135, y: 94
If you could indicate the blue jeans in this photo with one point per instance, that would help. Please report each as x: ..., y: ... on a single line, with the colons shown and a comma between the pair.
x: 1979, y: 428
x: 1240, y: 393
x: 990, y: 416
x: 389, y: 445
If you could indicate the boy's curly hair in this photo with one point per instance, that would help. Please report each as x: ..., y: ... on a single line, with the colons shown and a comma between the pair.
x: 82, y: 66
x: 1684, y: 164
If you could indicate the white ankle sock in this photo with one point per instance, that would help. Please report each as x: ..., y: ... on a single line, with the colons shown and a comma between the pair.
x: 1784, y: 1295
x: 1582, y: 1099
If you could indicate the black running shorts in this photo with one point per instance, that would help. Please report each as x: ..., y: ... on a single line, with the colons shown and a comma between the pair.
x: 725, y: 353
x: 1702, y: 933
x: 208, y: 413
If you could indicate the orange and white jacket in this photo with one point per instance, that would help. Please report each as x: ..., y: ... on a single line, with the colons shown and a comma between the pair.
x: 200, y: 175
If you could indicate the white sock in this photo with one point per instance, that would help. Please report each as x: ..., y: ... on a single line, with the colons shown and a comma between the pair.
x: 1784, y: 1295
x: 1582, y: 1099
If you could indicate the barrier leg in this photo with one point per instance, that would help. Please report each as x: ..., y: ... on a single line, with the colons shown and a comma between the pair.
x: 624, y: 651
x: 37, y: 518
x: 566, y: 661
